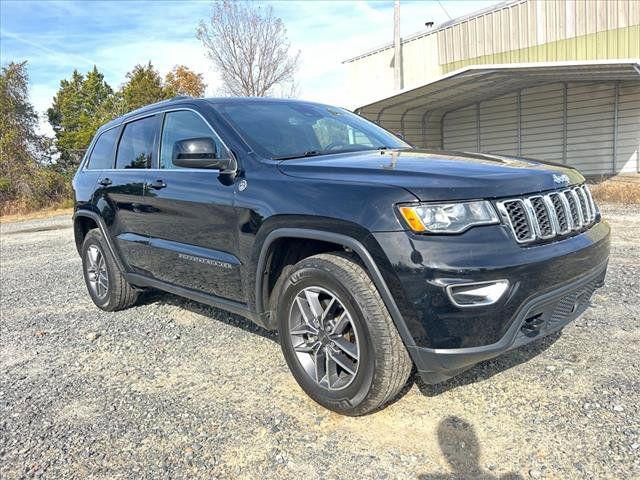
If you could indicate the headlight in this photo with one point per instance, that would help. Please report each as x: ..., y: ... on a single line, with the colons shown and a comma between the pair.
x: 448, y: 217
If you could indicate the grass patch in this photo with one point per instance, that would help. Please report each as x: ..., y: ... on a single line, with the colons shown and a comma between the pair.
x: 17, y: 211
x: 616, y: 191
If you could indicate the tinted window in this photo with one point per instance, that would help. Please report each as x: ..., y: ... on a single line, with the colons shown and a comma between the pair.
x: 289, y: 129
x: 136, y: 144
x: 102, y: 153
x: 182, y: 125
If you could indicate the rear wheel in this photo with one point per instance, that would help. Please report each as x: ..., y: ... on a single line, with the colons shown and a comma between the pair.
x: 106, y: 285
x: 337, y: 336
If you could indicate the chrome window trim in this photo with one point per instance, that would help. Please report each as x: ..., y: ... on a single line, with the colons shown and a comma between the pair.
x: 151, y: 114
x: 84, y: 164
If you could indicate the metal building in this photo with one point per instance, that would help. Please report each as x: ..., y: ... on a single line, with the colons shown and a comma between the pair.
x: 556, y: 80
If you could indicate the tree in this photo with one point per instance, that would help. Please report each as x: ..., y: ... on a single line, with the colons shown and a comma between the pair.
x: 78, y: 110
x: 26, y: 182
x: 248, y: 45
x: 143, y: 86
x: 182, y: 81
x: 19, y: 143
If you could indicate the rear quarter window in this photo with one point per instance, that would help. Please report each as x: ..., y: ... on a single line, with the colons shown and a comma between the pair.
x: 101, y: 157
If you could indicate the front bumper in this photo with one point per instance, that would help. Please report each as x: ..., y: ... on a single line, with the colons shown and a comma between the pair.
x: 538, y: 318
x: 446, y: 339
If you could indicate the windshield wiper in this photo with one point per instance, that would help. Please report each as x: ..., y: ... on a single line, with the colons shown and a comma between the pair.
x: 310, y: 153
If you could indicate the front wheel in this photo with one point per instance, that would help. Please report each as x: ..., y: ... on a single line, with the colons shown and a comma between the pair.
x: 337, y: 336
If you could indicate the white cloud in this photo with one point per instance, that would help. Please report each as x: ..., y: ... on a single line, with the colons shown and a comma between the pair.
x: 57, y: 37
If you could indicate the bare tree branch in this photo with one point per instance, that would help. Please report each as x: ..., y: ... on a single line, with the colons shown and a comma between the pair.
x: 249, y: 47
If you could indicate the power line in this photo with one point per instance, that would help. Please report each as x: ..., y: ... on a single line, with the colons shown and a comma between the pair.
x: 444, y: 10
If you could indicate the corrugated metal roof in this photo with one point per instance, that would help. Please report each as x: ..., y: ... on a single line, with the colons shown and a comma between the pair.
x: 481, y: 82
x: 437, y: 28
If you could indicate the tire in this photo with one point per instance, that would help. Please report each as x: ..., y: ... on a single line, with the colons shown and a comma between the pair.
x: 371, y: 363
x: 99, y: 265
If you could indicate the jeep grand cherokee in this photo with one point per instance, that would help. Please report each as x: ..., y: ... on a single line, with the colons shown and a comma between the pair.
x: 367, y: 255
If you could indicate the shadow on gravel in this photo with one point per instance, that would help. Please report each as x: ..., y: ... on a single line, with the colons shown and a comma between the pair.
x: 485, y: 370
x: 461, y: 448
x: 216, y: 314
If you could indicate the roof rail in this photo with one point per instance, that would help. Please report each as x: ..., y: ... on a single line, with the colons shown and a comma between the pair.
x: 180, y: 97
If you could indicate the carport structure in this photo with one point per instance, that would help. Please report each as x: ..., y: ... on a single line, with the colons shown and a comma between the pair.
x: 583, y: 114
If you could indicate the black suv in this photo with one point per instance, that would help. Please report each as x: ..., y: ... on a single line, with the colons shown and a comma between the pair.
x: 368, y: 256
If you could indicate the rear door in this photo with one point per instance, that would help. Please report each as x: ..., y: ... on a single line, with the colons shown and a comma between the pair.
x: 123, y: 188
x: 192, y: 224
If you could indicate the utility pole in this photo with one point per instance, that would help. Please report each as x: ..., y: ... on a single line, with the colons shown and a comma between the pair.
x: 397, y: 47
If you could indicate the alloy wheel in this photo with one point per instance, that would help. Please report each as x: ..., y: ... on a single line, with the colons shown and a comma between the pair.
x: 324, y: 337
x: 97, y: 272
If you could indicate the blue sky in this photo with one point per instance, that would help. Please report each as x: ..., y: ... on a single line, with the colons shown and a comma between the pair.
x: 58, y: 36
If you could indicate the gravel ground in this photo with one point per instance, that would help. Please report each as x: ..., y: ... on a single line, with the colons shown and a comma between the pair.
x: 174, y: 389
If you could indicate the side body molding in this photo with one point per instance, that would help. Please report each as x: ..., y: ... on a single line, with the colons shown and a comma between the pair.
x: 345, y: 241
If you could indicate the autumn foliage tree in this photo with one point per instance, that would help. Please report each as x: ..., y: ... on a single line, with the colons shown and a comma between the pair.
x: 182, y: 81
x: 248, y: 45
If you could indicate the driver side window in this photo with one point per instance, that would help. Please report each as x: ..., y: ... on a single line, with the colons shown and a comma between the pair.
x: 331, y: 132
x: 182, y: 125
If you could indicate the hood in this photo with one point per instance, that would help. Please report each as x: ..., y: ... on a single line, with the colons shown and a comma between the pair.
x: 436, y: 175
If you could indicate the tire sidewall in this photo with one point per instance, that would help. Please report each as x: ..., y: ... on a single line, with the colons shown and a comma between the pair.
x: 349, y: 398
x: 94, y: 238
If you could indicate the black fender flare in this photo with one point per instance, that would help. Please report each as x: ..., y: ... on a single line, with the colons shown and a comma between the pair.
x: 345, y: 241
x: 105, y: 234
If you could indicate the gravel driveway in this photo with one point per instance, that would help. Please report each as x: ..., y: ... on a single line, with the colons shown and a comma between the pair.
x: 174, y: 389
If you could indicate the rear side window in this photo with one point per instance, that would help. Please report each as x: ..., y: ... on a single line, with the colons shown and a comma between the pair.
x: 136, y: 144
x: 102, y: 154
x: 182, y: 125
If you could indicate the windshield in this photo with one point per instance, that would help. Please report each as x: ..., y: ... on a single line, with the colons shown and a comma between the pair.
x: 281, y: 130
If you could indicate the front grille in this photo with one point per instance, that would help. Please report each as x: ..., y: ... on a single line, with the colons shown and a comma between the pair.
x: 519, y: 220
x: 542, y: 217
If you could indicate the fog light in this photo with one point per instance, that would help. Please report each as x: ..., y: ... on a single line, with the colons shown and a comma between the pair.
x: 477, y: 294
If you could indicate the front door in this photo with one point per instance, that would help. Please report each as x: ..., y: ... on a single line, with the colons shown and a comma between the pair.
x: 192, y: 222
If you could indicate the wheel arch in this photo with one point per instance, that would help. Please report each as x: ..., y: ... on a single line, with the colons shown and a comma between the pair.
x: 346, y: 242
x: 85, y: 220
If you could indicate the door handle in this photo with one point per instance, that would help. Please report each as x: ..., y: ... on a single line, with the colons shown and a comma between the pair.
x: 105, y: 182
x: 157, y: 185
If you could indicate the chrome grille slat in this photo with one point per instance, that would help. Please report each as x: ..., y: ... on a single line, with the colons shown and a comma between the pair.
x: 594, y: 210
x: 546, y: 216
x: 579, y: 218
x: 584, y: 204
x: 514, y: 211
x: 539, y: 210
x: 563, y: 215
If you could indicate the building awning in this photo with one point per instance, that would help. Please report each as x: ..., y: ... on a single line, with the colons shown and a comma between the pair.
x: 481, y: 82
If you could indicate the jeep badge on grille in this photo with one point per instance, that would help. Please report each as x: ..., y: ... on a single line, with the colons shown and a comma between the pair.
x: 561, y: 179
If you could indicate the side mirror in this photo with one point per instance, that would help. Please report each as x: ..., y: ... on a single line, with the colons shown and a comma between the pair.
x: 198, y: 153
